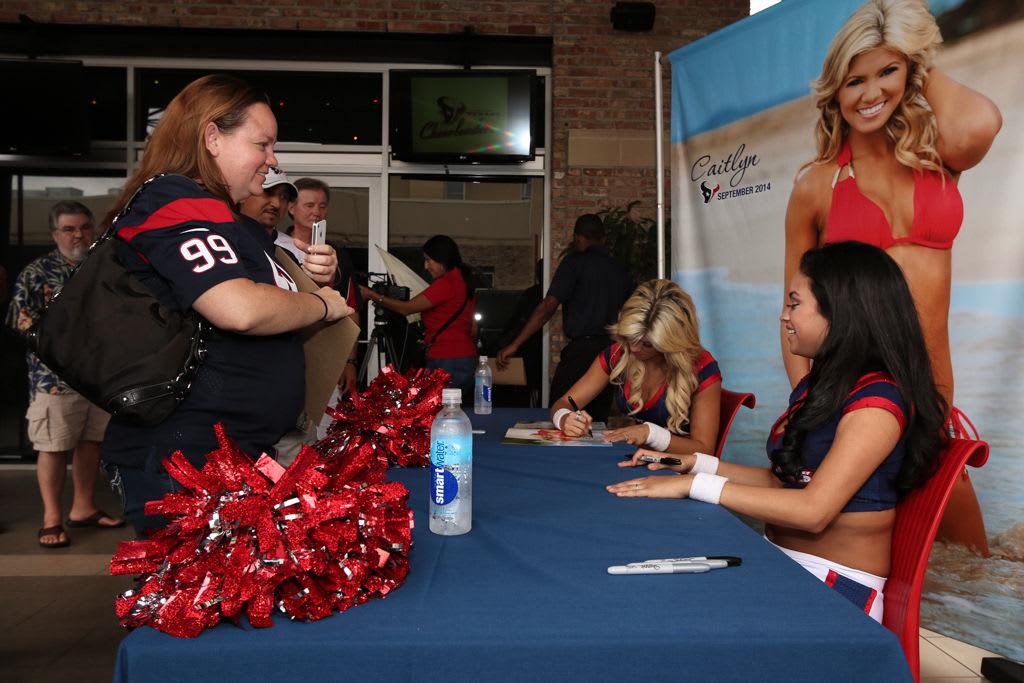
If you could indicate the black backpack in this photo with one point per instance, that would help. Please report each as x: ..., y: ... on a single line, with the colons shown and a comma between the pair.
x: 106, y: 336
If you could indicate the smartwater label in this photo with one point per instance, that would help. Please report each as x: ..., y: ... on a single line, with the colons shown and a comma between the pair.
x: 444, y: 486
x: 447, y: 458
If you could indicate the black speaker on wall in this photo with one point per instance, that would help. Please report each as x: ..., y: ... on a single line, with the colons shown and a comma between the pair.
x: 633, y: 16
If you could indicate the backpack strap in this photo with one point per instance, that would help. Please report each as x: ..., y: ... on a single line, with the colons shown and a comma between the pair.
x: 128, y: 206
x: 448, y: 322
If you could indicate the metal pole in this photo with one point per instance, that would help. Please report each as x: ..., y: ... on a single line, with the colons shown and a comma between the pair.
x: 546, y: 250
x: 660, y: 171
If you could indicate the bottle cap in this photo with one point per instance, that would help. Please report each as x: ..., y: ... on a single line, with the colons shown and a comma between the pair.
x: 451, y: 396
x: 483, y: 359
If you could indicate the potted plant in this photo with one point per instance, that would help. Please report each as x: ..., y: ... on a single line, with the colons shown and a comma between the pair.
x: 633, y: 240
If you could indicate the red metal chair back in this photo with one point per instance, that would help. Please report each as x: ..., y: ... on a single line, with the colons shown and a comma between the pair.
x: 730, y: 405
x: 917, y: 520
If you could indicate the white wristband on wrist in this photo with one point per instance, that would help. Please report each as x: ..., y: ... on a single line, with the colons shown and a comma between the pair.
x: 707, y: 488
x: 658, y: 438
x: 708, y: 464
x: 558, y: 416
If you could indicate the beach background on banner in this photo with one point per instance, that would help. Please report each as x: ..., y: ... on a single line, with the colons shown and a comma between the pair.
x: 732, y: 265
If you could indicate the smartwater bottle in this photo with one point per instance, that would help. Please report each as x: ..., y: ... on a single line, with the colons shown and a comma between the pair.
x: 451, y: 468
x: 482, y: 384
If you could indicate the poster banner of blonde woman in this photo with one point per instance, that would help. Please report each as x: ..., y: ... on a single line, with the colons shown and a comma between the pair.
x: 743, y: 121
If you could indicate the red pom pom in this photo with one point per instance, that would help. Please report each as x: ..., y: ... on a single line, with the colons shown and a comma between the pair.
x: 324, y: 535
x: 391, y: 419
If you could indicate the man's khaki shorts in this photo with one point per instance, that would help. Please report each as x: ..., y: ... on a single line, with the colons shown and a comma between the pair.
x: 290, y: 444
x: 57, y: 422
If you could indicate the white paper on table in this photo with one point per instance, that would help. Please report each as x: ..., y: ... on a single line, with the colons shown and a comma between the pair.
x: 544, y: 433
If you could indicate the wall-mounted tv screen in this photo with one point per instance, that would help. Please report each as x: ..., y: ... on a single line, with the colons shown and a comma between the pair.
x: 474, y: 117
x: 44, y: 109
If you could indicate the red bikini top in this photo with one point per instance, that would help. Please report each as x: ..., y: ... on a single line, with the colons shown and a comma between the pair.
x: 938, y: 211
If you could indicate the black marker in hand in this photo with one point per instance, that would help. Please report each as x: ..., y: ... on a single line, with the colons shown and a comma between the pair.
x: 579, y: 414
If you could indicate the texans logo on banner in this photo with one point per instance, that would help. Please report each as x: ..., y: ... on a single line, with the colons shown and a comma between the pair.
x: 281, y: 276
x: 707, y: 191
x: 735, y: 166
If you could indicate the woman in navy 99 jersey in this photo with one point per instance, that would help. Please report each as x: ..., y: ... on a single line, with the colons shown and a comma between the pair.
x: 862, y: 428
x: 185, y: 240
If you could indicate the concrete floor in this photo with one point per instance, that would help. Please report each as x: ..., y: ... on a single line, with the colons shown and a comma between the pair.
x: 57, y: 616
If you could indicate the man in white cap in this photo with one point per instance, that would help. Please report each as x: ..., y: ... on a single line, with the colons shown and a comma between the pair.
x: 267, y: 208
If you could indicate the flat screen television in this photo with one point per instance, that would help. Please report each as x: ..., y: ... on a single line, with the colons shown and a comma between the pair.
x: 44, y: 109
x: 462, y: 117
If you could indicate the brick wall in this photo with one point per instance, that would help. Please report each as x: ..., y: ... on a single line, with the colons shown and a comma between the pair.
x: 602, y: 78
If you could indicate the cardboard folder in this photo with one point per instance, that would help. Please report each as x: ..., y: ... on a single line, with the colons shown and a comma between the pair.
x: 514, y: 373
x: 327, y: 348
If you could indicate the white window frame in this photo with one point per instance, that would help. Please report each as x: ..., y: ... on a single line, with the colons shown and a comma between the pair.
x: 363, y: 164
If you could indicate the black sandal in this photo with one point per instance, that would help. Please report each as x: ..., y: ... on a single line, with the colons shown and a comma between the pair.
x: 93, y: 520
x: 54, y: 531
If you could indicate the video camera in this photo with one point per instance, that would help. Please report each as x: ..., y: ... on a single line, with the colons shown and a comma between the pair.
x: 392, y: 334
x: 384, y: 284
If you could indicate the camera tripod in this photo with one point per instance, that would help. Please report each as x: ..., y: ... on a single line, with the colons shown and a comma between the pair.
x: 379, y: 346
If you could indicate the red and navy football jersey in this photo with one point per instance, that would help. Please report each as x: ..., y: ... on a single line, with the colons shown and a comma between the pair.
x: 655, y: 409
x: 873, y: 390
x: 181, y: 241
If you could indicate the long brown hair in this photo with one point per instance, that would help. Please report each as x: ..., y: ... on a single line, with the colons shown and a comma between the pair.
x: 177, y: 144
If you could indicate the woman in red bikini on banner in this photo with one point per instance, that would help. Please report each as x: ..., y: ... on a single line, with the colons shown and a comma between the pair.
x: 894, y: 135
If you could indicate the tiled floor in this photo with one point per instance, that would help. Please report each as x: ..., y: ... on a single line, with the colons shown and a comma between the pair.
x: 945, y: 660
x: 57, y: 616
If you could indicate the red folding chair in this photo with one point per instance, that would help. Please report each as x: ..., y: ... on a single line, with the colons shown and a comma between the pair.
x: 917, y: 520
x: 729, y: 406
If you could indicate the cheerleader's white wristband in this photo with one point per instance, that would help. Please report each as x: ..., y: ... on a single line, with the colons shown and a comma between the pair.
x: 557, y: 418
x: 658, y: 437
x: 707, y: 488
x: 708, y: 464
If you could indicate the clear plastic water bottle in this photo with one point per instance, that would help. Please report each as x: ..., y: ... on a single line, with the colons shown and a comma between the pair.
x: 483, y: 381
x: 451, y: 468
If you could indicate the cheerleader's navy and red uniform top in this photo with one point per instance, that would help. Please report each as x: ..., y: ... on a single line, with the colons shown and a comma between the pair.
x: 654, y: 409
x: 181, y: 241
x: 873, y: 390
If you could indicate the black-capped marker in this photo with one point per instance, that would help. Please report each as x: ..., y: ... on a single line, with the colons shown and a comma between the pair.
x: 579, y: 414
x: 663, y: 460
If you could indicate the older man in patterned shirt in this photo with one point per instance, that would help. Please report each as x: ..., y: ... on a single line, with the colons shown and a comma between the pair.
x: 60, y: 420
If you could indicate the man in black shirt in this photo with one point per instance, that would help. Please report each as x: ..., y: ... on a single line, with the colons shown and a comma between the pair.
x: 591, y: 287
x: 531, y: 350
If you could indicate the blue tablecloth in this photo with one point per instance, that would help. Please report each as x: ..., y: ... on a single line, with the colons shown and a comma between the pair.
x: 526, y: 596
